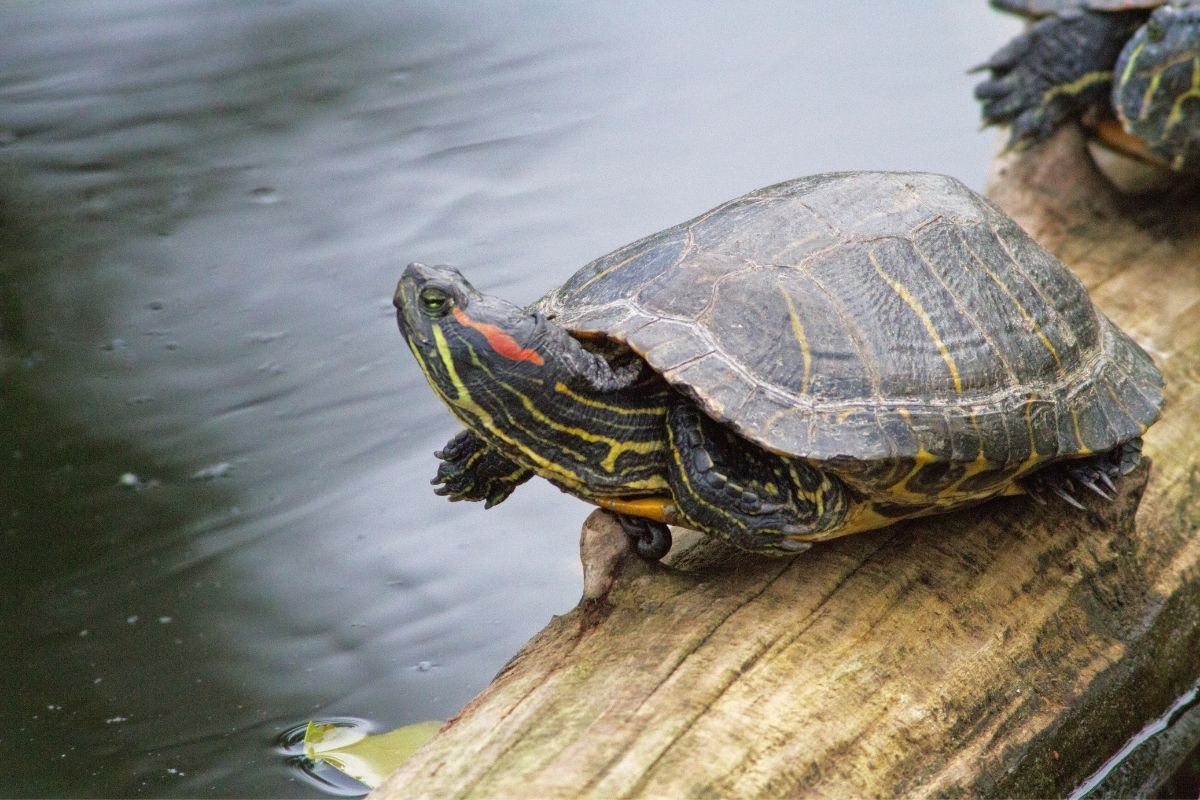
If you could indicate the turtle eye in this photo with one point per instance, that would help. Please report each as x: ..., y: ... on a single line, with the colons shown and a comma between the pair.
x: 1154, y: 30
x: 435, y: 302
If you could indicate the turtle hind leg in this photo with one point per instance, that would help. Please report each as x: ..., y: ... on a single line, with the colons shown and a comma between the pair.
x: 728, y: 487
x: 1096, y: 473
x: 1059, y: 69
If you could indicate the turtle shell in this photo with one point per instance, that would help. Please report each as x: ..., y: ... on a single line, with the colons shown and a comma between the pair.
x: 872, y: 316
x: 1047, y: 8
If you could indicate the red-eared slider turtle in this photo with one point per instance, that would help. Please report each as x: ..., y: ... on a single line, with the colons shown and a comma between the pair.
x: 816, y: 358
x: 1092, y: 59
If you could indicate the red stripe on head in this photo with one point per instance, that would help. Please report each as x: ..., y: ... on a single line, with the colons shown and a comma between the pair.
x: 500, y: 341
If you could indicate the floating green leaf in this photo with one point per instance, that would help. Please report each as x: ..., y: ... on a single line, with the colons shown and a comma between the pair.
x: 369, y: 759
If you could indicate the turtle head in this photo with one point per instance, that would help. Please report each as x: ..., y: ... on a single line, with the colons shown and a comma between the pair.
x: 462, y: 338
x: 426, y: 296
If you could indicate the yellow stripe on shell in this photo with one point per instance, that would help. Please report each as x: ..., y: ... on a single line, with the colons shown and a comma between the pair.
x: 1083, y: 448
x: 1033, y: 326
x: 926, y: 320
x: 1148, y: 95
x: 801, y: 339
x: 1176, y: 115
x: 1129, y: 65
x: 606, y: 271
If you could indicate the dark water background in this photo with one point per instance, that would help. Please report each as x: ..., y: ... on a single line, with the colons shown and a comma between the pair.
x: 215, y: 521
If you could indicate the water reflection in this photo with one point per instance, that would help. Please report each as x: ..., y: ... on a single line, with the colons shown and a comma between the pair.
x: 325, y: 777
x: 204, y: 207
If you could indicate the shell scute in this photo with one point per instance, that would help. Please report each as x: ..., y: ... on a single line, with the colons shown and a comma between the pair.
x: 854, y: 431
x: 669, y: 345
x: 725, y: 387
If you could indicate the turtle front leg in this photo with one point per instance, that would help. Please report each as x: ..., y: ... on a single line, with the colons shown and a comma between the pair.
x: 1059, y: 69
x: 472, y: 470
x: 726, y: 486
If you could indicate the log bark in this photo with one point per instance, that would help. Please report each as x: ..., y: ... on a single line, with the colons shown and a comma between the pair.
x: 1005, y: 650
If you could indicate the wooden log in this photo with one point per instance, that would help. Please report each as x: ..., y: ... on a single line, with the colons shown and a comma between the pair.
x: 1005, y: 650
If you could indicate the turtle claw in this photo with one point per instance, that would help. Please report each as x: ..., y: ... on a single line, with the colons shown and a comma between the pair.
x: 793, y: 545
x: 1067, y: 497
x: 1088, y: 483
x: 777, y: 541
x: 1096, y: 473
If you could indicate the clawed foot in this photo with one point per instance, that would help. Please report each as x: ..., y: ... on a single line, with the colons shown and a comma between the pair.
x: 1058, y: 69
x: 470, y: 470
x: 651, y: 539
x: 1096, y: 474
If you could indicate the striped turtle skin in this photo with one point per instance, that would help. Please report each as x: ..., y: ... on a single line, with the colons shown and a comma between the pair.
x: 1129, y: 69
x: 896, y: 329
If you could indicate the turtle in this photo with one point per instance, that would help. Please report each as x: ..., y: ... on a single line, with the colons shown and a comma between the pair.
x: 1128, y: 69
x: 816, y: 358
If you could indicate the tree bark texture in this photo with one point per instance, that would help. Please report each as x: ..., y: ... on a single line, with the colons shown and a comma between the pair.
x: 1005, y: 650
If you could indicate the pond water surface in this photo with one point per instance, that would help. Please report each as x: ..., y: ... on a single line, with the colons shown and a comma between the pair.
x: 215, y: 517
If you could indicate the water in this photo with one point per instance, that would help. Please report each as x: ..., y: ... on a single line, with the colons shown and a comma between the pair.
x: 318, y: 773
x: 215, y: 522
x: 1164, y: 746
